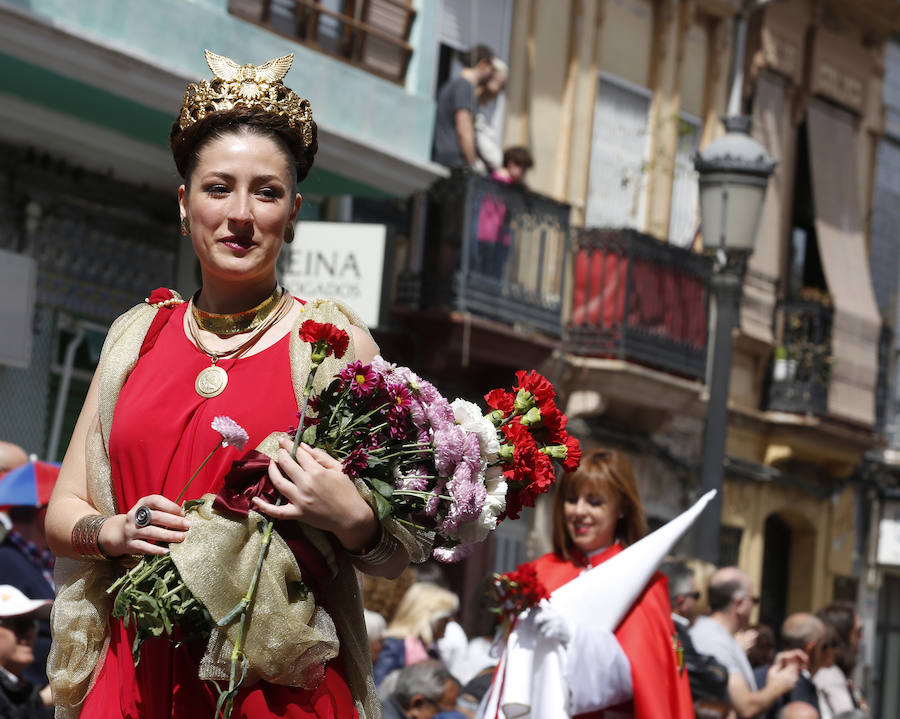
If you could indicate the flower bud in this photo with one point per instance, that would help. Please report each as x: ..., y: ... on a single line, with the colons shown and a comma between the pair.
x: 524, y: 401
x: 506, y: 451
x: 556, y: 451
x: 531, y: 417
x: 496, y: 417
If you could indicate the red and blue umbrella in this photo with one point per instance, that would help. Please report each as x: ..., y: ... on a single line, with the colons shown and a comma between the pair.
x: 29, y: 485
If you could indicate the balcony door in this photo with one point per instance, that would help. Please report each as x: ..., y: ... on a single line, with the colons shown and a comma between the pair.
x: 619, y: 145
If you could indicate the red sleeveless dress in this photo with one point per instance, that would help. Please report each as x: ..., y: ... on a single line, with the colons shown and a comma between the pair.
x: 160, y: 435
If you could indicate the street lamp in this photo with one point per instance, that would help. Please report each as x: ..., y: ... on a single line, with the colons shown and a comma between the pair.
x: 734, y: 171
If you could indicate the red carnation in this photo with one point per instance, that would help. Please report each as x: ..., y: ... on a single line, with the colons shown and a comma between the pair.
x: 331, y: 338
x: 554, y: 422
x: 529, y: 472
x: 500, y: 399
x: 537, y: 384
x: 573, y: 454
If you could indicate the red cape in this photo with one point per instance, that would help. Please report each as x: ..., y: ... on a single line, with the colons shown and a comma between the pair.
x: 646, y: 635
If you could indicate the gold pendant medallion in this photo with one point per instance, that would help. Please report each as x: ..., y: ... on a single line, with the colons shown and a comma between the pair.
x: 211, y: 382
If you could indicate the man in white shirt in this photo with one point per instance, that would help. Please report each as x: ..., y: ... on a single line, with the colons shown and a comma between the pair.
x: 731, y: 601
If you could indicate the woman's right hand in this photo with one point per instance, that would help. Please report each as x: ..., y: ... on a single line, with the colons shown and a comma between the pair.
x: 121, y: 535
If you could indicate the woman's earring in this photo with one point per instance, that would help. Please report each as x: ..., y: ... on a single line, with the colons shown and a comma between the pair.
x: 289, y: 234
x: 185, y: 226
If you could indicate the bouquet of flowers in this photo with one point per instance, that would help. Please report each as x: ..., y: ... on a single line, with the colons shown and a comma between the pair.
x: 443, y: 469
x: 513, y: 593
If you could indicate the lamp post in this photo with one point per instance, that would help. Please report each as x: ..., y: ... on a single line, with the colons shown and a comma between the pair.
x: 734, y: 171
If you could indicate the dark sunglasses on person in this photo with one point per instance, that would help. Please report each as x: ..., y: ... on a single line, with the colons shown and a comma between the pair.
x: 19, y: 625
x: 693, y: 595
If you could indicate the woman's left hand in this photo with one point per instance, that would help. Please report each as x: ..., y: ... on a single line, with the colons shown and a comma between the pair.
x: 319, y: 493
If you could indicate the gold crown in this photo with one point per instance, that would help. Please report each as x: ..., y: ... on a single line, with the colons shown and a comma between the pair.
x: 257, y: 87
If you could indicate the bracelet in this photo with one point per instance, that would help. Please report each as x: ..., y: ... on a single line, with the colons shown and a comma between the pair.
x: 86, y: 537
x: 381, y: 552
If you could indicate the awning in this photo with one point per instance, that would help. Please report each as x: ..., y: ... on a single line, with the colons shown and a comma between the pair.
x: 857, y: 323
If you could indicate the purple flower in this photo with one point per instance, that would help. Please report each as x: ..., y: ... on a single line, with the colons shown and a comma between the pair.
x: 232, y: 433
x: 356, y: 462
x: 448, y: 449
x: 440, y: 413
x: 417, y: 415
x: 472, y: 453
x: 359, y: 378
x: 429, y: 393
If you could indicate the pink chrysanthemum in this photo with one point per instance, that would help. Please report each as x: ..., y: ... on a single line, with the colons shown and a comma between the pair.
x: 232, y: 433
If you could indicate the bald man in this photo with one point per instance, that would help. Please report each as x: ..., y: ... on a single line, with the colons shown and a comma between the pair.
x: 25, y: 561
x: 798, y: 710
x: 803, y: 632
x: 731, y: 600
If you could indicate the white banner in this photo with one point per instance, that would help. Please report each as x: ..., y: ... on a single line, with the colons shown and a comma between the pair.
x: 889, y: 534
x: 342, y: 261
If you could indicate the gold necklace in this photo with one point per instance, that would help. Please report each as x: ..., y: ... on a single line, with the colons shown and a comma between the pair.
x: 233, y: 324
x: 211, y: 381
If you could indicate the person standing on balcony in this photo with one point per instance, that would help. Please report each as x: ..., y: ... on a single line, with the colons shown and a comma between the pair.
x: 487, y: 139
x: 454, y: 124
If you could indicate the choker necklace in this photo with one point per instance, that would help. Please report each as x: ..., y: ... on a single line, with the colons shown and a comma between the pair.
x: 233, y: 324
x: 211, y: 381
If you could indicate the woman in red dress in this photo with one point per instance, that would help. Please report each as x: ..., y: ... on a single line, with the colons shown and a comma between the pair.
x: 596, y: 513
x: 242, y: 143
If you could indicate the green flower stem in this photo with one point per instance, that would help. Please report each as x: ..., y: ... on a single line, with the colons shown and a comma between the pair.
x: 307, y: 390
x: 237, y: 654
x: 197, y: 471
x: 420, y: 495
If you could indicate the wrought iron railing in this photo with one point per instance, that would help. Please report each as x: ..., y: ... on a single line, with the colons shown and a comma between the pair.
x: 638, y: 299
x: 371, y: 34
x: 498, y: 251
x: 801, y: 367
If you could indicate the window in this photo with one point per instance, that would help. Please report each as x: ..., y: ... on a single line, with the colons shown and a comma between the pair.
x: 372, y: 34
x: 806, y: 279
x: 618, y: 155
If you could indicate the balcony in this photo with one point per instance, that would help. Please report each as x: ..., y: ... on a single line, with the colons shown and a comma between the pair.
x: 370, y: 34
x: 801, y: 366
x: 640, y: 300
x: 496, y: 251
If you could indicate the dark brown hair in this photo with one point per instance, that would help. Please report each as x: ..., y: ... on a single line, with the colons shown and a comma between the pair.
x: 187, y: 144
x: 601, y: 469
x: 520, y: 155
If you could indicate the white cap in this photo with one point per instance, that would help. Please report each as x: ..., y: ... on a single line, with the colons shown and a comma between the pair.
x: 15, y: 604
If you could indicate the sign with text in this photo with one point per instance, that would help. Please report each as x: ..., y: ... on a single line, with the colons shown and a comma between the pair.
x: 339, y: 260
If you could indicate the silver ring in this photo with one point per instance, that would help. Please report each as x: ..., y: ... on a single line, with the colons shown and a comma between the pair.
x: 142, y: 517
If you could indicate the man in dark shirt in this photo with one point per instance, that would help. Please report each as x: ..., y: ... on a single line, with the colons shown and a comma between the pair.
x: 454, y: 124
x: 804, y: 632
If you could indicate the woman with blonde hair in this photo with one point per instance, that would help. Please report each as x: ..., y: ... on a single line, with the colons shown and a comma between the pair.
x: 419, y: 622
x: 596, y: 514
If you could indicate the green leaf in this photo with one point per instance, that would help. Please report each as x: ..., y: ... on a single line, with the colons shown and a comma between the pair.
x: 309, y: 435
x: 383, y: 507
x: 381, y: 487
x: 191, y: 504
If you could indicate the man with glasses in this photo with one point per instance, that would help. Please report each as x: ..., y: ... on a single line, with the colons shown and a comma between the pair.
x: 18, y: 629
x: 731, y: 601
x: 707, y: 676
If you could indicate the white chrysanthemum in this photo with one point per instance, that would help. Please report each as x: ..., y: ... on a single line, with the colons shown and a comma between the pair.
x: 468, y: 415
x: 494, y: 504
